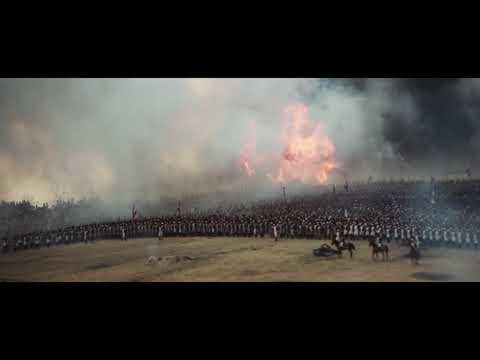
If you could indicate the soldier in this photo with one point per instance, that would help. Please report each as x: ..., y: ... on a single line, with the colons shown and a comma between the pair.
x: 337, y: 236
x: 193, y: 228
x: 402, y: 236
x: 37, y: 241
x: 4, y: 245
x: 174, y: 229
x: 18, y: 244
x: 275, y: 233
x: 414, y: 245
x: 180, y: 229
x: 91, y: 233
x: 430, y: 236
x: 160, y: 233
x: 316, y: 231
x: 387, y: 234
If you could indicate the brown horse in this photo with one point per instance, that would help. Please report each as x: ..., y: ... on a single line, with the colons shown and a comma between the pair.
x: 345, y: 245
x: 378, y: 249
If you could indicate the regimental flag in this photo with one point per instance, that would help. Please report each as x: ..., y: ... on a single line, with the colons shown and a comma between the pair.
x: 134, y: 213
x: 468, y: 172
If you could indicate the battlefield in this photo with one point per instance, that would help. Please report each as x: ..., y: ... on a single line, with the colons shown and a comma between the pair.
x: 303, y: 238
x: 239, y: 180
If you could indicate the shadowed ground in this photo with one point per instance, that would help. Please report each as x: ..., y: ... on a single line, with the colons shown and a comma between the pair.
x: 230, y: 259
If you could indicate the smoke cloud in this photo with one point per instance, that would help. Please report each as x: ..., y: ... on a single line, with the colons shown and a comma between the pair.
x: 148, y: 139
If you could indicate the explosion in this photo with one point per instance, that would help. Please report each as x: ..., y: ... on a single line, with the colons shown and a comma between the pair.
x: 308, y: 154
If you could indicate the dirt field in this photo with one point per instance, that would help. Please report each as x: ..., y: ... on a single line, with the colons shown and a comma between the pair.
x: 229, y: 259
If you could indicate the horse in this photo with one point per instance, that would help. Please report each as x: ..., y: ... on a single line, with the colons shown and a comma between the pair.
x: 414, y: 253
x: 382, y: 249
x: 345, y: 245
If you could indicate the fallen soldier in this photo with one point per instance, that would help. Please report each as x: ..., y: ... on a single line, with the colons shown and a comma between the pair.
x: 325, y: 251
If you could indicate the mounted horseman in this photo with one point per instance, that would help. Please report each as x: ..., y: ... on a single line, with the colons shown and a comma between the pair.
x: 378, y: 248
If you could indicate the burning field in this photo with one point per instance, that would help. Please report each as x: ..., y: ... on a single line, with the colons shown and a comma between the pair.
x: 229, y: 259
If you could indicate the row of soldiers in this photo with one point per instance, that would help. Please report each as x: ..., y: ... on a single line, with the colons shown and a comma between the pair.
x: 246, y: 227
x: 133, y: 229
x: 393, y: 213
x: 404, y: 235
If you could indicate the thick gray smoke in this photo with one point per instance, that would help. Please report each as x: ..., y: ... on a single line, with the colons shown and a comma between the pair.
x: 148, y: 139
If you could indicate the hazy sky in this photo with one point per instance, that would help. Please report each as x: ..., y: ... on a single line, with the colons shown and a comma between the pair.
x: 127, y: 139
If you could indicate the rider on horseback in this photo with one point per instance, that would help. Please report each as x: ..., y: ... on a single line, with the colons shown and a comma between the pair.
x: 414, y: 250
x: 378, y: 248
x: 341, y: 242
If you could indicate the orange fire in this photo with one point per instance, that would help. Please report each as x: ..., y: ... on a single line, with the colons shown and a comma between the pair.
x: 308, y: 154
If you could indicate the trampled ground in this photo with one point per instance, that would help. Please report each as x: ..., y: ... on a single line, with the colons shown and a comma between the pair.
x: 229, y: 259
